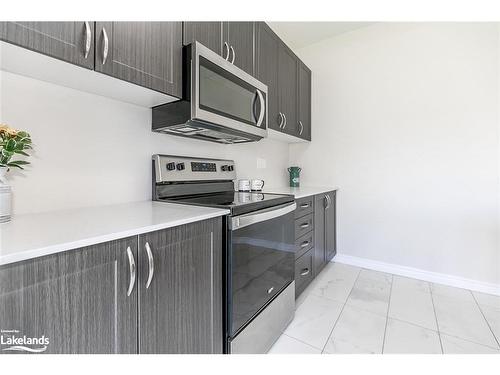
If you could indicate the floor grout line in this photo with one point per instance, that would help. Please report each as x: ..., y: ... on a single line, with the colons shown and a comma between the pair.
x: 387, y: 316
x: 303, y: 342
x: 341, y: 310
x: 484, y: 317
x: 435, y: 317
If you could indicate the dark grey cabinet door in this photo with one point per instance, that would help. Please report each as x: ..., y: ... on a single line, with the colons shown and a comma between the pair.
x: 148, y: 54
x: 304, y: 102
x: 331, y: 226
x: 181, y: 310
x: 240, y: 38
x: 266, y: 69
x: 320, y: 259
x: 207, y: 33
x: 288, y: 88
x: 75, y: 299
x: 68, y: 41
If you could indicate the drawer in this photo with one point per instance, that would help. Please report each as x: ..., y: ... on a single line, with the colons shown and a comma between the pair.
x: 304, y: 244
x: 303, y: 272
x: 303, y: 225
x: 304, y: 206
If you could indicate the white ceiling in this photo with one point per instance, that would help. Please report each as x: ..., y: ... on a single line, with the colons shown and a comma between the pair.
x: 300, y: 34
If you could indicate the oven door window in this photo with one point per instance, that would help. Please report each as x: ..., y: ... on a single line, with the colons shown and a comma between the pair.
x: 262, y: 264
x: 224, y: 94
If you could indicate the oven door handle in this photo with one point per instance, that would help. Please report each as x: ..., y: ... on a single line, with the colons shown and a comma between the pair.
x: 242, y: 221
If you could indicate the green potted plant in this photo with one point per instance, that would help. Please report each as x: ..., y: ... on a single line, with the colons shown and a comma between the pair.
x: 12, y: 143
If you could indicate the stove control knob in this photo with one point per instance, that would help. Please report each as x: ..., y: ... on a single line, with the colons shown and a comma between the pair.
x: 170, y: 166
x: 181, y: 166
x: 224, y: 168
x: 230, y: 168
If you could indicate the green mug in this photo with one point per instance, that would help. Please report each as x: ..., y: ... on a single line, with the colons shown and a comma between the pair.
x: 294, y: 176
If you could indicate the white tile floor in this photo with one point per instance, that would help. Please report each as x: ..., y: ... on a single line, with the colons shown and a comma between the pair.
x: 352, y: 310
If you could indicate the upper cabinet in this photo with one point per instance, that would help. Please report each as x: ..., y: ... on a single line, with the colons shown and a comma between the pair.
x: 234, y: 41
x: 207, y: 33
x: 69, y: 41
x: 288, y: 89
x: 148, y: 54
x: 267, y: 45
x: 289, y: 84
x: 304, y: 106
x: 239, y: 36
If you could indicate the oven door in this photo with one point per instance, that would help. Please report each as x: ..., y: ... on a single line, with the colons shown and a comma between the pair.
x: 223, y: 94
x: 261, y: 261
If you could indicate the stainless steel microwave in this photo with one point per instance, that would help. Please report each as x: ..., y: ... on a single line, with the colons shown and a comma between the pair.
x: 221, y: 102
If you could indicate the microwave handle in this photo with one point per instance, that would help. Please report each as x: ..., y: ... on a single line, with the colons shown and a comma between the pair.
x: 262, y: 108
x: 242, y: 221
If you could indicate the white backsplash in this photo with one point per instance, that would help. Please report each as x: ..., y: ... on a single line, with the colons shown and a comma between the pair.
x: 91, y: 150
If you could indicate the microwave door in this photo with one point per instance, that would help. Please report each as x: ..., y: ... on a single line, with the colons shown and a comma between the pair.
x: 225, y: 95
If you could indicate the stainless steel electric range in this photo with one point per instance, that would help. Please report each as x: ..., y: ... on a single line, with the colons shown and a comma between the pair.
x: 259, y: 255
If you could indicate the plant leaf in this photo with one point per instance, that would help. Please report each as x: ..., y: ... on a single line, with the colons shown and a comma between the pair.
x: 10, y: 145
x: 14, y: 166
x: 19, y: 162
x: 21, y: 153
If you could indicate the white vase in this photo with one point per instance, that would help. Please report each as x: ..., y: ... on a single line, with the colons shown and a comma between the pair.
x: 5, y: 197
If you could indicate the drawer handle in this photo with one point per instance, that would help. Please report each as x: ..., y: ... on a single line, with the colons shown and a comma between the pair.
x: 304, y: 244
x: 270, y: 290
x: 304, y: 272
x: 305, y: 225
x: 304, y: 205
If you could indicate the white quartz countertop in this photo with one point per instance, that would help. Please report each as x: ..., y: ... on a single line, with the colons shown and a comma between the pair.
x: 300, y: 192
x: 35, y: 235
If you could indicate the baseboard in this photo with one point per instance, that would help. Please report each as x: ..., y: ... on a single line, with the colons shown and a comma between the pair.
x: 434, y: 277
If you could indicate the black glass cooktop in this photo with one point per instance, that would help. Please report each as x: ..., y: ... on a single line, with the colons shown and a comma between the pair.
x: 238, y: 202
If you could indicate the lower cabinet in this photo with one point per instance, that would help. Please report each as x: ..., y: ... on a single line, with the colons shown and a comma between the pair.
x: 163, y: 297
x: 315, y: 233
x: 180, y: 289
x: 319, y: 233
x: 303, y: 272
x: 72, y: 302
x: 331, y: 225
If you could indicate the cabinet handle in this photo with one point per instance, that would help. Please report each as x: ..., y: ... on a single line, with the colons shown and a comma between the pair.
x: 304, y: 272
x: 88, y: 38
x: 234, y: 55
x: 226, y: 47
x: 284, y: 124
x: 281, y: 120
x: 305, y: 225
x: 327, y: 199
x: 270, y: 290
x: 304, y: 244
x: 301, y: 128
x: 131, y: 265
x: 304, y: 205
x: 105, y: 46
x: 151, y: 264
